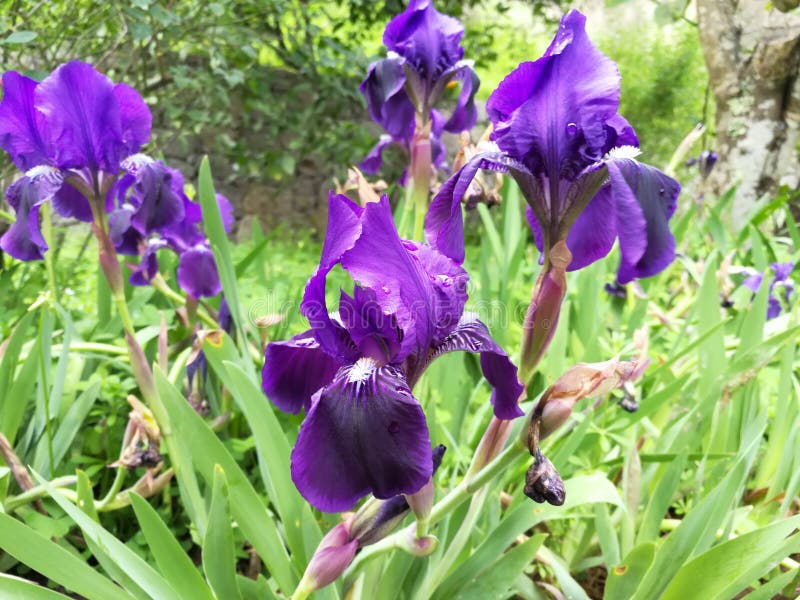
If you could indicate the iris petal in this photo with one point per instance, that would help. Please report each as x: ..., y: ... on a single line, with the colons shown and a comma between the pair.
x: 22, y: 126
x: 373, y: 162
x: 444, y: 225
x: 380, y: 262
x: 83, y: 117
x: 387, y: 101
x: 344, y: 228
x: 643, y: 192
x: 24, y: 240
x: 426, y: 39
x: 365, y: 433
x: 465, y: 113
x: 135, y: 118
x: 592, y: 235
x: 472, y: 335
x: 294, y: 370
x: 551, y: 114
x: 197, y: 272
x: 70, y: 203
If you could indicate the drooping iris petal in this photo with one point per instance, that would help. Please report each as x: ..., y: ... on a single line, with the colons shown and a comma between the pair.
x: 160, y: 205
x: 148, y: 263
x: 592, y: 235
x: 83, y: 117
x: 753, y: 282
x: 551, y: 114
x: 379, y: 261
x: 24, y: 240
x: 444, y: 225
x: 125, y: 238
x: 197, y: 272
x: 70, y: 203
x: 471, y: 335
x: 22, y: 126
x: 426, y: 39
x: 135, y: 118
x: 294, y: 370
x: 387, y: 101
x: 773, y: 308
x: 365, y: 433
x: 465, y: 113
x: 375, y: 333
x: 373, y: 161
x: 344, y: 228
x: 640, y: 189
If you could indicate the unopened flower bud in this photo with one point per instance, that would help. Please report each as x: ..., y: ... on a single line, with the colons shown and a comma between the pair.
x: 492, y: 442
x: 333, y: 555
x: 544, y: 310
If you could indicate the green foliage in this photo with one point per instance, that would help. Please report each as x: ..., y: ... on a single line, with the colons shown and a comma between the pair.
x: 664, y: 83
x: 694, y: 493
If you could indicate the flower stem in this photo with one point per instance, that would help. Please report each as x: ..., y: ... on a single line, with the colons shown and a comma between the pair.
x: 47, y: 233
x: 37, y: 493
x: 420, y: 172
x: 116, y: 486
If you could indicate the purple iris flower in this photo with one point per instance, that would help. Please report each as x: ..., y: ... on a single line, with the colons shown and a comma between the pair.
x: 77, y: 135
x: 560, y: 136
x: 147, y: 195
x: 425, y: 58
x: 354, y: 370
x: 69, y: 134
x: 780, y: 282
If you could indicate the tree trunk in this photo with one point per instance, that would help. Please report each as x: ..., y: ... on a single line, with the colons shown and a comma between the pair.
x: 752, y: 51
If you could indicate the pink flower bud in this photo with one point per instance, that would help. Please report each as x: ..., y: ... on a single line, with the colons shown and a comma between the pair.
x: 333, y: 555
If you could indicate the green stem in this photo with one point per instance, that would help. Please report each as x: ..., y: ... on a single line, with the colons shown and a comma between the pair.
x: 47, y: 230
x: 162, y: 286
x: 116, y: 486
x: 124, y: 313
x: 46, y: 395
x: 7, y: 216
x: 420, y: 172
x: 465, y: 530
x: 37, y: 493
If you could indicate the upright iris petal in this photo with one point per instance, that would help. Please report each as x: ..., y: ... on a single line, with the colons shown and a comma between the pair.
x: 354, y: 370
x: 573, y: 156
x: 23, y: 131
x: 85, y: 118
x: 426, y: 39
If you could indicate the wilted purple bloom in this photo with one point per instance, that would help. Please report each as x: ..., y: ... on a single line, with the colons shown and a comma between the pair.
x: 425, y: 58
x: 354, y: 370
x: 780, y: 282
x: 560, y: 136
x: 69, y: 135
